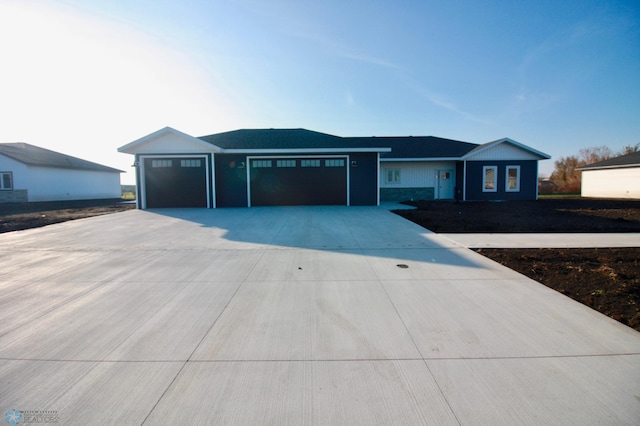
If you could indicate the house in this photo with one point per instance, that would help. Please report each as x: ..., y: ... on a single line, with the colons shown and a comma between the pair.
x: 617, y: 177
x: 29, y: 173
x: 257, y: 167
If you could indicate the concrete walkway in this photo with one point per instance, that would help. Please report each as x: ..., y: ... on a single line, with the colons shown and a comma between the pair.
x: 307, y: 315
x: 545, y: 240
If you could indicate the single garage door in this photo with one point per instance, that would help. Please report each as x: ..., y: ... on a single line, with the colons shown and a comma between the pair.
x: 175, y: 182
x: 298, y: 181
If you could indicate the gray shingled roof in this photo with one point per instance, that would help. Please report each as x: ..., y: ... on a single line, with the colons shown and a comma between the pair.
x: 628, y: 160
x: 418, y: 146
x: 401, y: 147
x: 36, y: 156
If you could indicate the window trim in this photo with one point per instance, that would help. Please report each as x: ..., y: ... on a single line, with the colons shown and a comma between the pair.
x: 2, y: 175
x: 506, y: 179
x: 484, y: 178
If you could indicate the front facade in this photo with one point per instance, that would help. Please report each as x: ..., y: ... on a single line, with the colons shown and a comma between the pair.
x: 29, y: 174
x: 617, y: 177
x: 247, y: 168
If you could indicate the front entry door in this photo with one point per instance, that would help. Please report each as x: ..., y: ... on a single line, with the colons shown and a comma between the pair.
x: 445, y: 184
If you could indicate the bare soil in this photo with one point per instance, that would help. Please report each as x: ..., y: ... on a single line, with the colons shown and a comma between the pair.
x: 605, y: 279
x: 19, y: 216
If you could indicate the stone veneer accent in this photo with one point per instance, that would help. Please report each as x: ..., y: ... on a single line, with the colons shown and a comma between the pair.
x: 406, y: 194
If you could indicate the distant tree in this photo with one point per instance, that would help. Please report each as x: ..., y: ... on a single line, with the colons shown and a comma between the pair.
x: 630, y: 149
x: 565, y: 176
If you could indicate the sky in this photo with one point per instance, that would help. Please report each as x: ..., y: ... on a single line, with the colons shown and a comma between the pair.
x: 84, y: 77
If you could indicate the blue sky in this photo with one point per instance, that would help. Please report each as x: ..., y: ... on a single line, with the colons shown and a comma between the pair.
x: 86, y: 76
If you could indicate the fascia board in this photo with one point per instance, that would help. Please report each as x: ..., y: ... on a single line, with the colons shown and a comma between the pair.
x: 621, y: 166
x: 426, y: 159
x: 302, y: 150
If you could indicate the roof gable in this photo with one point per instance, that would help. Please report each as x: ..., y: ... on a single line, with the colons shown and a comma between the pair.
x: 35, y: 156
x: 505, y: 149
x: 168, y: 140
x: 628, y: 160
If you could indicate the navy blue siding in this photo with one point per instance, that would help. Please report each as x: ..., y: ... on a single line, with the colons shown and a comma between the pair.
x: 363, y: 185
x: 231, y: 180
x: 528, y: 180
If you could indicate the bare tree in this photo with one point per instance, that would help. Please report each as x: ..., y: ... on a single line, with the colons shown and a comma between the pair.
x: 630, y: 149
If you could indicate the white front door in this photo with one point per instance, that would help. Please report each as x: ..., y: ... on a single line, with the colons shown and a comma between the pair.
x: 445, y: 185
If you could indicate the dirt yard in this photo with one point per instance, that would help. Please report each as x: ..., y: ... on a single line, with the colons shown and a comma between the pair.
x: 18, y: 216
x: 607, y: 280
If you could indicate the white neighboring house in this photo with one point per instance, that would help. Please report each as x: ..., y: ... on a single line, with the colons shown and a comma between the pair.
x: 617, y: 177
x: 29, y: 173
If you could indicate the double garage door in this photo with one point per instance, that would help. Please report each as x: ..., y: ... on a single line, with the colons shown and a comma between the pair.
x: 182, y: 182
x: 298, y: 181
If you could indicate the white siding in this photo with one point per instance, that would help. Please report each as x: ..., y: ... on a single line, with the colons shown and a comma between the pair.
x: 18, y: 169
x: 174, y: 144
x: 503, y: 151
x: 414, y: 174
x: 612, y: 183
x: 51, y: 184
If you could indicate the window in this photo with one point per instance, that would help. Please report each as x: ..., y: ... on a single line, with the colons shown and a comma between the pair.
x: 161, y: 163
x: 393, y: 176
x: 261, y: 164
x: 286, y: 163
x: 490, y: 179
x: 190, y: 163
x: 6, y: 180
x: 309, y: 163
x: 334, y: 163
x: 513, y: 179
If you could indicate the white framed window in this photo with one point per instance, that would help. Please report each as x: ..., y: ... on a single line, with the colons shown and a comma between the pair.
x: 190, y: 163
x: 392, y: 176
x: 161, y: 163
x: 309, y: 163
x: 6, y: 180
x: 490, y: 179
x: 512, y: 179
x: 286, y: 163
x: 261, y: 164
x: 334, y: 162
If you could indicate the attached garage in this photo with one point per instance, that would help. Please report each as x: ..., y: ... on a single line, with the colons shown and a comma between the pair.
x: 288, y: 181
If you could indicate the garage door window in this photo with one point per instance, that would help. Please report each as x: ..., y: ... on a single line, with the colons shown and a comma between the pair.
x: 161, y: 163
x: 334, y: 163
x: 286, y: 163
x: 309, y: 163
x: 190, y: 163
x: 261, y: 164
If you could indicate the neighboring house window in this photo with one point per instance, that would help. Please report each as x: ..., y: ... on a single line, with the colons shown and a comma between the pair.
x: 393, y: 176
x: 513, y: 179
x: 286, y: 163
x: 190, y: 163
x: 261, y: 164
x: 334, y: 163
x: 309, y: 163
x: 161, y: 163
x: 490, y: 179
x: 6, y: 180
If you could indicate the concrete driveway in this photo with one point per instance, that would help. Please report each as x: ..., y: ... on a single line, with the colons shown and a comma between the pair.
x: 300, y: 315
